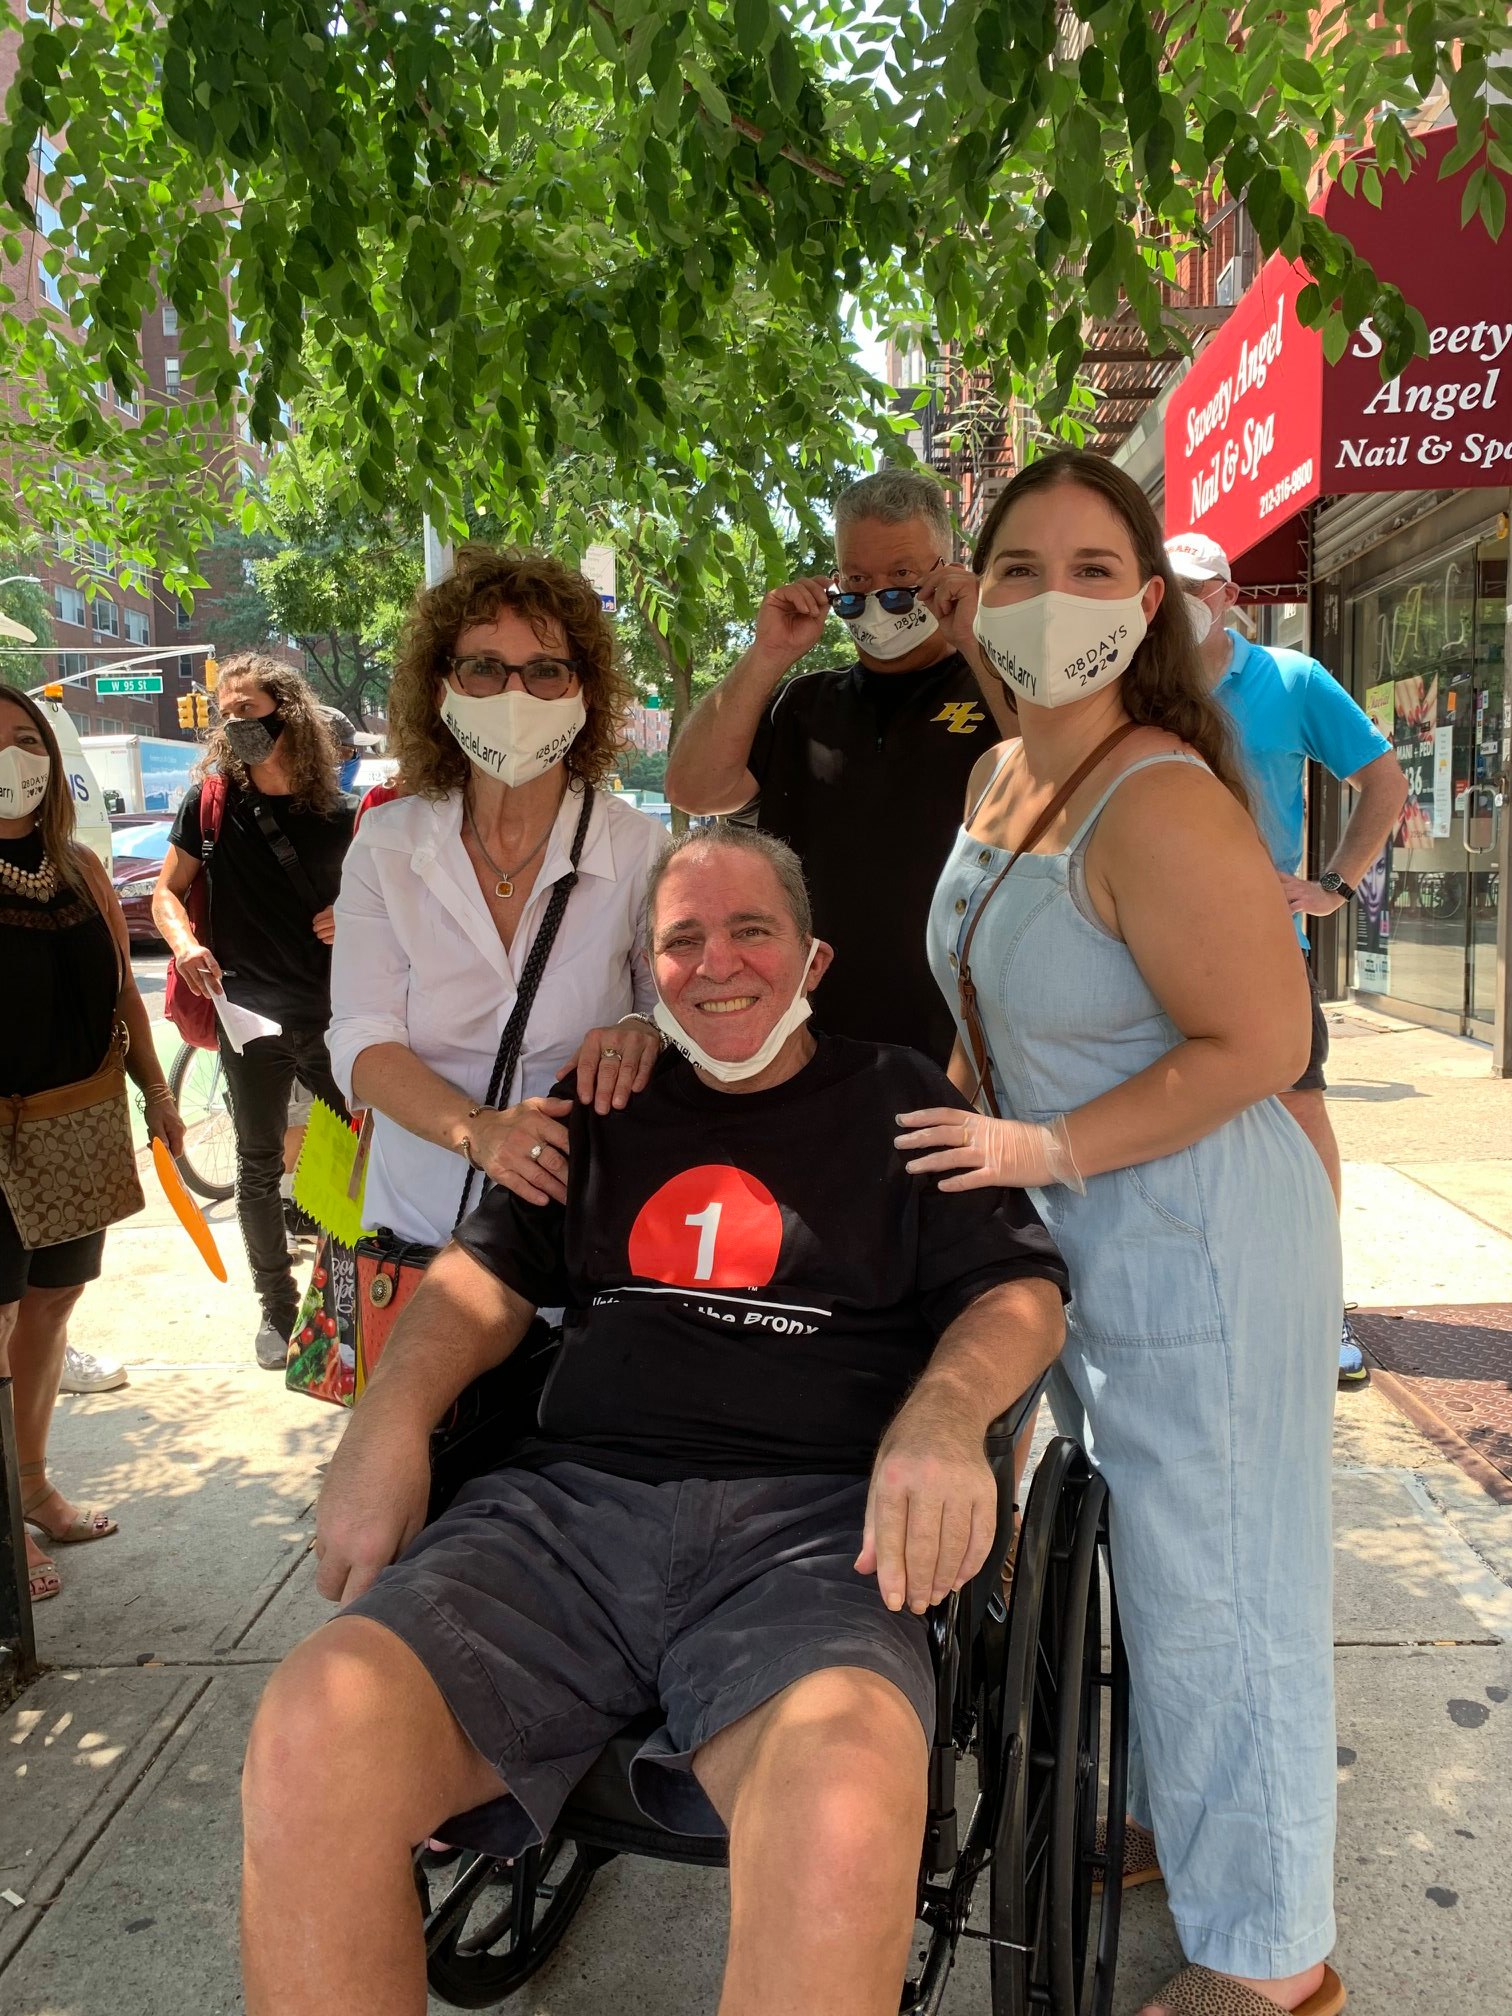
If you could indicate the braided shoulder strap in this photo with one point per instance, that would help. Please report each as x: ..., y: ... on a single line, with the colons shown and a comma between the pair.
x: 513, y: 1039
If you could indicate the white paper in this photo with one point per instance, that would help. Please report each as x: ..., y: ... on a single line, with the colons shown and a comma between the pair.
x: 1443, y: 781
x: 242, y: 1024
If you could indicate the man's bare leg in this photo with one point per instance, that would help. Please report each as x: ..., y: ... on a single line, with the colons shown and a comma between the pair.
x: 1310, y: 1111
x: 823, y: 1791
x: 354, y: 1757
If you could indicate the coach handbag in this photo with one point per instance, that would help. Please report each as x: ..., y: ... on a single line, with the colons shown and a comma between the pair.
x: 389, y: 1270
x: 966, y: 994
x: 67, y: 1166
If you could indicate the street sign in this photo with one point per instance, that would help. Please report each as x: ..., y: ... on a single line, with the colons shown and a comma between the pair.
x: 137, y: 682
x: 598, y: 570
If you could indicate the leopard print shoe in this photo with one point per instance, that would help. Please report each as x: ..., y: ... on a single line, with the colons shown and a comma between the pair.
x: 1140, y: 1862
x: 1198, y: 1991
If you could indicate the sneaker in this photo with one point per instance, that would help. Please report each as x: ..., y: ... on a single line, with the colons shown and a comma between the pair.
x: 271, y: 1345
x: 298, y: 1224
x: 84, y: 1373
x: 1353, y: 1371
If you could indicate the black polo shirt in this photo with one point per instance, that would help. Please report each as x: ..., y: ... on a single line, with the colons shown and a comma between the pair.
x: 864, y: 775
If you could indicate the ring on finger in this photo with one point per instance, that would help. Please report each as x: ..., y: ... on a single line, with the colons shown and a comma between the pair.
x: 535, y: 1151
x: 607, y: 1052
x: 965, y: 1133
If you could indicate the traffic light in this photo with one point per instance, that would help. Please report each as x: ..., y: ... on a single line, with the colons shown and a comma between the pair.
x: 201, y: 711
x: 212, y: 673
x: 186, y: 710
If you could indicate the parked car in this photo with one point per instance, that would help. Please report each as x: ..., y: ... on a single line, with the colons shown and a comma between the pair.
x: 139, y: 844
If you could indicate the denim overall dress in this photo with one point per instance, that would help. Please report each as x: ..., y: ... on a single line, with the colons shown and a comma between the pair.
x: 1199, y: 1374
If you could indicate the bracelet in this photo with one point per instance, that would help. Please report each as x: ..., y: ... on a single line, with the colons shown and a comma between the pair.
x: 152, y: 1093
x: 635, y: 1015
x: 465, y: 1140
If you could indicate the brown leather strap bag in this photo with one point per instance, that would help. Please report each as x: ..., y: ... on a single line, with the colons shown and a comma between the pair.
x: 981, y: 1058
x: 67, y: 1166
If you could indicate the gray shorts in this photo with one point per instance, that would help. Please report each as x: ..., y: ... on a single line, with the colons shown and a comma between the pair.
x: 1313, y: 1079
x: 553, y: 1607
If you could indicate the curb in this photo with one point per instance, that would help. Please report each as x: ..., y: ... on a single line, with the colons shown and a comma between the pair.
x: 1441, y: 1433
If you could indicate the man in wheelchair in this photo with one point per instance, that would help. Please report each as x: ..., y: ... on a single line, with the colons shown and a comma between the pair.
x: 757, y: 1461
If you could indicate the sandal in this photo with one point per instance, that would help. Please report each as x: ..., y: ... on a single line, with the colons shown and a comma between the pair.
x: 1198, y: 1991
x: 43, y: 1579
x: 1141, y: 1864
x: 83, y: 1527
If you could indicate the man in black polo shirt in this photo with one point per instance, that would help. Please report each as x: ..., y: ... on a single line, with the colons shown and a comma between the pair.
x: 758, y: 1458
x: 862, y: 770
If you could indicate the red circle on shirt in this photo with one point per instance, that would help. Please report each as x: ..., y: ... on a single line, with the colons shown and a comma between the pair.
x: 710, y: 1227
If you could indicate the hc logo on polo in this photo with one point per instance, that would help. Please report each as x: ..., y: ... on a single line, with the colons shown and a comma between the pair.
x: 963, y: 716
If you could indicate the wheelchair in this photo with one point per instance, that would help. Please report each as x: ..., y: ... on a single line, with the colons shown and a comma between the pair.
x: 1032, y: 1699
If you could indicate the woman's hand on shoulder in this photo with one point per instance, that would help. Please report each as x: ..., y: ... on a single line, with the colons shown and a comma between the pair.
x: 523, y: 1148
x: 612, y: 1064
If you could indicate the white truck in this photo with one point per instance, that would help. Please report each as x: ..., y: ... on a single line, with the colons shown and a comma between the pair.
x: 148, y: 773
x: 89, y: 799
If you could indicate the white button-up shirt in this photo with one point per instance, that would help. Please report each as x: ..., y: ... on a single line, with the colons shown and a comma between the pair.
x: 418, y: 960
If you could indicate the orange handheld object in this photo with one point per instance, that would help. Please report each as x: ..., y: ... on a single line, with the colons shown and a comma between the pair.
x: 188, y: 1212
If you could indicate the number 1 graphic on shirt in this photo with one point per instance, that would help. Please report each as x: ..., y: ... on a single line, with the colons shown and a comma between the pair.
x: 736, y: 1222
x: 707, y: 1224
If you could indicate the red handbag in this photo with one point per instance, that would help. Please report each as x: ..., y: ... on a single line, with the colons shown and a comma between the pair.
x: 193, y: 1015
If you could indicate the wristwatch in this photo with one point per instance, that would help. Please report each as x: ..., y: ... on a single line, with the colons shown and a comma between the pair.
x: 1335, y: 884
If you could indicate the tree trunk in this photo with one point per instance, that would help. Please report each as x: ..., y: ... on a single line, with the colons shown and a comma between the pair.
x: 682, y: 706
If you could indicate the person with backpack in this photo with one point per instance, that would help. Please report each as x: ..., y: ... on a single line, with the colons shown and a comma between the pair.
x: 269, y: 828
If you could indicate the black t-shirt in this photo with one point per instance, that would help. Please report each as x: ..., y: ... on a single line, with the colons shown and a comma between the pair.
x: 752, y: 1281
x: 864, y: 775
x: 260, y: 928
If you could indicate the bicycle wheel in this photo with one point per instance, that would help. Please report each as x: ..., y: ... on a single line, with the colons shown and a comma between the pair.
x: 208, y: 1161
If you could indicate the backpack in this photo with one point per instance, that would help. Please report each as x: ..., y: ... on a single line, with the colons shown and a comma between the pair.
x: 193, y: 1015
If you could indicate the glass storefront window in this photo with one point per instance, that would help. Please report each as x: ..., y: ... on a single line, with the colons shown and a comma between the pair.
x: 1429, y: 650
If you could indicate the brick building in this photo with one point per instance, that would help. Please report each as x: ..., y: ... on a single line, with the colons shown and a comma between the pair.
x: 90, y: 629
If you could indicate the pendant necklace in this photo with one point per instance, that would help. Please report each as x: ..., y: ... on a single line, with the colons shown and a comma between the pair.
x: 505, y: 885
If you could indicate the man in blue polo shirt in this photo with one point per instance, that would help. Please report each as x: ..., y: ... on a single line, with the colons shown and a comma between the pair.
x: 1285, y: 708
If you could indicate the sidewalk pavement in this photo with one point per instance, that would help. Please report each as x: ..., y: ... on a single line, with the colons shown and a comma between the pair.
x: 118, y: 1822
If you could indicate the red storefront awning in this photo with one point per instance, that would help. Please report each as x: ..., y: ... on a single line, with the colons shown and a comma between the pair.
x: 1262, y: 426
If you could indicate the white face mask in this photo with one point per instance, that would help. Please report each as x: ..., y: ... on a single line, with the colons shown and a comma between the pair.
x: 1055, y: 648
x: 1202, y: 618
x: 23, y: 782
x: 882, y: 636
x: 513, y: 736
x: 793, y: 1017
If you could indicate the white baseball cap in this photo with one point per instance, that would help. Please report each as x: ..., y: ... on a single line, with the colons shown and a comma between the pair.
x: 1195, y: 557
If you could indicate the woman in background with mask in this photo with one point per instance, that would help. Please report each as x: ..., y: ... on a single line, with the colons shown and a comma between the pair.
x: 273, y: 868
x: 506, y: 708
x: 1126, y: 997
x: 68, y: 985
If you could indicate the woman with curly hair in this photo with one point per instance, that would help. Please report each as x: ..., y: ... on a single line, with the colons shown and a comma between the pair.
x: 273, y: 865
x: 506, y: 709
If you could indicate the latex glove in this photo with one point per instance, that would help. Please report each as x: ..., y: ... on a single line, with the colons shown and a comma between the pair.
x: 982, y: 1152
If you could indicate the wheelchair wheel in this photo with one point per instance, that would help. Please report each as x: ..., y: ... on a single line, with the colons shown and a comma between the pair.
x: 489, y: 1924
x: 1062, y: 1702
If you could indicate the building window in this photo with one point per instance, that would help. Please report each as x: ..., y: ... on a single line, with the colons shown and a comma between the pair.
x: 170, y: 319
x: 68, y: 605
x: 138, y: 630
x: 186, y: 667
x: 110, y: 727
x: 171, y: 378
x: 131, y: 407
x: 184, y: 616
x: 96, y: 554
x: 81, y: 722
x: 71, y: 664
x: 48, y: 221
x: 105, y: 617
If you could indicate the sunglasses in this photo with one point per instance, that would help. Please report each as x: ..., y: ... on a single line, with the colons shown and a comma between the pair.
x: 848, y: 603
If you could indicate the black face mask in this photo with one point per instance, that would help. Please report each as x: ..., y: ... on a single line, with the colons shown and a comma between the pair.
x: 252, y: 741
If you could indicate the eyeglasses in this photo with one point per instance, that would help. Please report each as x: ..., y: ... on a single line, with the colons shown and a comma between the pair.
x: 543, y: 678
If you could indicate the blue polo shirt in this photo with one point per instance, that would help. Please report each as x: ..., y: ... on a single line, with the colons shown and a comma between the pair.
x: 1286, y: 708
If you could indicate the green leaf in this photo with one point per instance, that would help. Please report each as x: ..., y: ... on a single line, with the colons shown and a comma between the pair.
x: 753, y: 22
x: 785, y: 72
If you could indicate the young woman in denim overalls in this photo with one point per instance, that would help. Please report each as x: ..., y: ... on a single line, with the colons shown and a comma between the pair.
x: 1133, y: 1005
